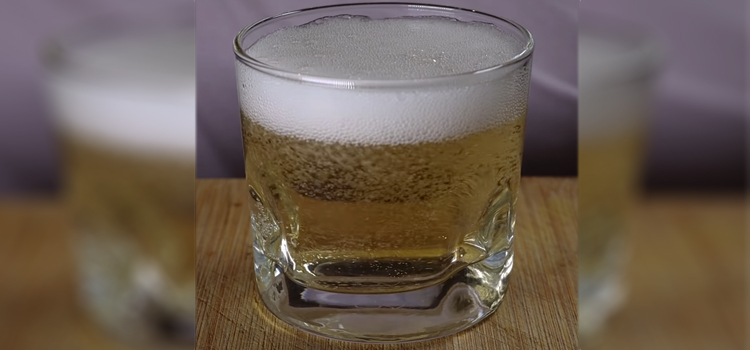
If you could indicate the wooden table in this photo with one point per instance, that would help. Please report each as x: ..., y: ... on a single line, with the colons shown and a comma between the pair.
x: 539, y: 311
x: 686, y: 277
x: 687, y: 281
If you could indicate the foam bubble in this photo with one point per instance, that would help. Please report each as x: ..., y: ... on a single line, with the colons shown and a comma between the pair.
x: 351, y: 47
x: 356, y: 47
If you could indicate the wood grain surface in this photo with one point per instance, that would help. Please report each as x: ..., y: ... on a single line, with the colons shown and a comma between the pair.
x: 539, y: 311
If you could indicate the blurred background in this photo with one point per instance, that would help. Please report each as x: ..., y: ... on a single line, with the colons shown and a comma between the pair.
x: 662, y: 174
x: 97, y: 173
x: 697, y: 133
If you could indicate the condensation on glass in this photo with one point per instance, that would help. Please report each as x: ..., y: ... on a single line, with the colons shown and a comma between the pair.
x: 382, y: 197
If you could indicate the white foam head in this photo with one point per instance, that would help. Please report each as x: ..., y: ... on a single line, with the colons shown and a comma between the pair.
x: 360, y: 48
x: 132, y: 94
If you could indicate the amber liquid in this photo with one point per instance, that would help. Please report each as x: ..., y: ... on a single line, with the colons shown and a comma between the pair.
x: 382, y: 218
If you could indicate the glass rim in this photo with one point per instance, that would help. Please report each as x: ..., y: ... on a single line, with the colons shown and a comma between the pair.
x: 246, y: 59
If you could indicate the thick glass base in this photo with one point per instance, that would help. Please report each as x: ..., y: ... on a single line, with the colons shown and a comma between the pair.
x: 453, y: 305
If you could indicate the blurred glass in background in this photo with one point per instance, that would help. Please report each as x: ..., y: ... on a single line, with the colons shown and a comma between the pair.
x: 662, y: 215
x: 123, y: 94
x: 616, y: 67
x: 119, y: 241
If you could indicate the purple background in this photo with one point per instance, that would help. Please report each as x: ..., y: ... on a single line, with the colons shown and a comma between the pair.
x: 29, y: 158
x: 697, y: 135
x: 699, y: 126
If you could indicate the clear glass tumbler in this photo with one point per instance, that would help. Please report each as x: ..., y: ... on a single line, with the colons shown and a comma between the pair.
x: 383, y: 151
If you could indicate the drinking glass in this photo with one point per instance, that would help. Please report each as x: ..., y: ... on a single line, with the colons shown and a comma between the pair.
x: 382, y: 204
